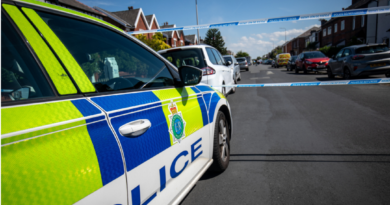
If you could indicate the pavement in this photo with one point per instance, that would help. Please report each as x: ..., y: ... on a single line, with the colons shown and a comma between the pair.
x: 303, y: 145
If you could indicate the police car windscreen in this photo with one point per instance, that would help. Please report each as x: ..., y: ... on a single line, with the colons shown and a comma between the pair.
x: 191, y: 57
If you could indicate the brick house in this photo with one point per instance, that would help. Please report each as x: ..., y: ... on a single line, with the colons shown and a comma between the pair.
x: 298, y: 44
x: 340, y: 31
x: 153, y: 23
x: 77, y: 6
x: 135, y: 17
x: 174, y: 38
x: 191, y: 39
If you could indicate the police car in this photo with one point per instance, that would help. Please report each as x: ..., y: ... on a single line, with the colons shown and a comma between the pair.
x: 90, y: 115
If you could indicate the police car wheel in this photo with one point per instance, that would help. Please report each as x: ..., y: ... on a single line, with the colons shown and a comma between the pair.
x: 221, y: 148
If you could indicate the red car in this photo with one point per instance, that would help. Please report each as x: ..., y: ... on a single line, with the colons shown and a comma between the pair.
x: 311, y: 61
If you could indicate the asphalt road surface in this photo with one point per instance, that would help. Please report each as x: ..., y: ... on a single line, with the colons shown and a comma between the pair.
x: 303, y: 145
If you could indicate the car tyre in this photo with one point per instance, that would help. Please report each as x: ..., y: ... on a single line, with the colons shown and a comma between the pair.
x: 288, y: 68
x: 296, y: 70
x: 221, y: 146
x: 347, y: 74
x: 330, y: 74
x: 304, y: 70
x: 387, y: 74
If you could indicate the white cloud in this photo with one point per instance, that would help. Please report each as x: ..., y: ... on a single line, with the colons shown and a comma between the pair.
x: 262, y: 43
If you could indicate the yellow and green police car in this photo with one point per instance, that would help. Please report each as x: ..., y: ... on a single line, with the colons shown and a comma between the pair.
x: 90, y: 115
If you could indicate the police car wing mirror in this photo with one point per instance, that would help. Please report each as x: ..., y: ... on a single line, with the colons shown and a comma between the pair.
x: 190, y: 75
x: 135, y: 128
x: 20, y: 94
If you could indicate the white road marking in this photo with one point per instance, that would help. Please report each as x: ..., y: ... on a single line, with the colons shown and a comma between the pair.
x: 269, y: 73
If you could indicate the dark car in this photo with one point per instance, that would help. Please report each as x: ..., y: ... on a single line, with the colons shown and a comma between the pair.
x: 311, y: 61
x: 360, y: 60
x: 291, y: 63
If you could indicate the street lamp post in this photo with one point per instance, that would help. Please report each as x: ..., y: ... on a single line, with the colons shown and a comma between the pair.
x: 197, y: 21
x: 285, y: 40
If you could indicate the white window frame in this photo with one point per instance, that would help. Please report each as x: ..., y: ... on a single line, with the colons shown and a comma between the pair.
x: 353, y: 23
x: 342, y: 25
x: 335, y: 27
x: 324, y: 32
x: 363, y: 18
x: 174, y: 43
x: 329, y: 30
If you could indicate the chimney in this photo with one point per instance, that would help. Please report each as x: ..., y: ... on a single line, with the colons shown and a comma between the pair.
x: 130, y: 8
x: 343, y: 9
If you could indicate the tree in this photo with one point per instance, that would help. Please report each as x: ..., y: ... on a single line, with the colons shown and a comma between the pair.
x: 156, y: 43
x: 214, y: 39
x: 241, y: 54
x: 258, y: 58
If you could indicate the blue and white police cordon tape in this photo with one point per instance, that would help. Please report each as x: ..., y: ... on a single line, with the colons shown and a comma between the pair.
x: 294, y: 84
x: 354, y: 12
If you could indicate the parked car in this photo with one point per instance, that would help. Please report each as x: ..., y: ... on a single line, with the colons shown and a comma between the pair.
x: 311, y: 61
x: 282, y: 59
x: 267, y: 62
x: 90, y: 115
x: 249, y: 60
x: 360, y: 60
x: 243, y: 63
x: 235, y: 68
x: 215, y: 70
x: 291, y: 63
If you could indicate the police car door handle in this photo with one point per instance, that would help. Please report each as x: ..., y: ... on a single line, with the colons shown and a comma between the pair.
x: 135, y: 128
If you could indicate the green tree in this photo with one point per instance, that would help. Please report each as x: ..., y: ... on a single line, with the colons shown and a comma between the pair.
x: 241, y: 54
x: 214, y: 39
x: 156, y: 43
x: 258, y: 58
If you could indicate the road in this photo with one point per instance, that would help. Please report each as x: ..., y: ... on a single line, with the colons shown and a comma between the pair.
x: 303, y: 145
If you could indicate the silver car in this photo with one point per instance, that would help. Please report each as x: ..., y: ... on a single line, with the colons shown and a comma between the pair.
x: 360, y: 60
x: 243, y: 63
x: 235, y: 67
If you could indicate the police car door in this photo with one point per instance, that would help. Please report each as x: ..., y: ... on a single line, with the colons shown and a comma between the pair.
x: 162, y: 128
x: 57, y: 148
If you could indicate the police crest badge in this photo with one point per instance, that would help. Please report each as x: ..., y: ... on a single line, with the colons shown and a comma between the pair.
x: 177, y: 124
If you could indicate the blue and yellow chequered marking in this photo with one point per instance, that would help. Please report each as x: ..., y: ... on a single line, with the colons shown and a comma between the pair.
x: 153, y: 105
x: 61, y: 164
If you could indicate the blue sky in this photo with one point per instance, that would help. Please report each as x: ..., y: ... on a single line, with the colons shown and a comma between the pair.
x: 257, y: 40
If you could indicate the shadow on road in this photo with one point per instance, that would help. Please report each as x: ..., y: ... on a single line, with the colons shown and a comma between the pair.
x: 310, y: 160
x: 210, y: 175
x: 340, y: 78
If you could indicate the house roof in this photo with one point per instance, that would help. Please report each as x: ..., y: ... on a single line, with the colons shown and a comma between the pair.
x: 113, y: 17
x: 81, y: 6
x: 308, y: 32
x: 130, y: 16
x: 168, y: 33
x: 150, y: 19
x: 191, y: 38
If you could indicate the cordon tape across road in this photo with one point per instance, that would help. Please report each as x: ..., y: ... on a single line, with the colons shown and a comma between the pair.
x: 295, y: 84
x: 354, y: 12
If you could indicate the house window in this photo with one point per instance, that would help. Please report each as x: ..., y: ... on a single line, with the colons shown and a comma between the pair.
x: 353, y: 23
x: 174, y: 43
x: 363, y: 21
x: 329, y: 30
x: 335, y: 27
x: 324, y: 32
x: 342, y: 25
